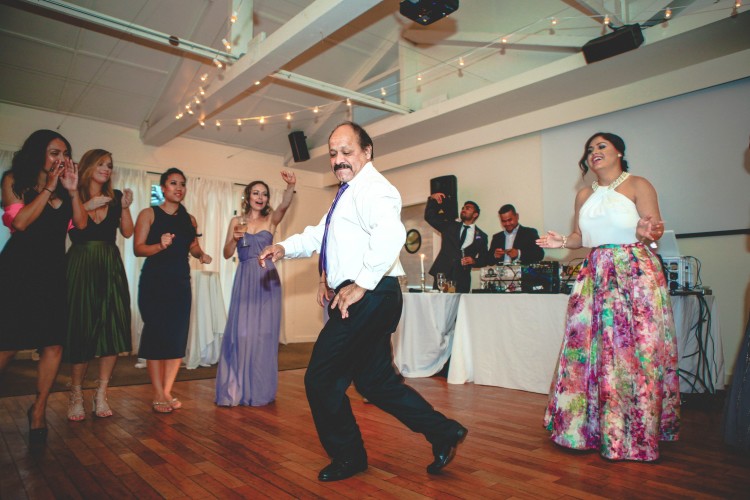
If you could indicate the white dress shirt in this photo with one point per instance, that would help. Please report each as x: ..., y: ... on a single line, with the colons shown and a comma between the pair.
x: 365, y: 234
x: 469, y: 235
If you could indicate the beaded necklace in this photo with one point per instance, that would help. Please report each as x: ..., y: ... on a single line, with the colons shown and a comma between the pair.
x: 595, y: 185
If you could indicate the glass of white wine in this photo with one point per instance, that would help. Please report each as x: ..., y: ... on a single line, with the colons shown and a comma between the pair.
x: 240, y: 229
x: 441, y: 282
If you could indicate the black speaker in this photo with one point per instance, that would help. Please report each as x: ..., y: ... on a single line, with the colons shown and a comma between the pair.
x: 448, y: 185
x: 625, y: 38
x: 299, y: 146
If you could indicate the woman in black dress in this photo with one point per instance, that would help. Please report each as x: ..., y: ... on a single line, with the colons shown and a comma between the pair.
x: 166, y: 235
x: 39, y: 199
x: 98, y: 296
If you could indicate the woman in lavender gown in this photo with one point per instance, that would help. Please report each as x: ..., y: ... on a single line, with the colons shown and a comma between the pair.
x: 248, y: 366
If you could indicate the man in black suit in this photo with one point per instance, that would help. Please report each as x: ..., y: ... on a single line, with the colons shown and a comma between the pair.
x: 517, y: 244
x: 463, y: 245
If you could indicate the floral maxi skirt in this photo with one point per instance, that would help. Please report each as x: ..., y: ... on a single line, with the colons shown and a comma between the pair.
x: 616, y: 387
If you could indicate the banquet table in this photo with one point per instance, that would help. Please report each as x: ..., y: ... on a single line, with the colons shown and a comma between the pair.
x: 208, y: 318
x: 422, y: 340
x: 514, y: 340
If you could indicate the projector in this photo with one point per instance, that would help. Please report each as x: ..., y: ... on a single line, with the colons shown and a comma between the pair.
x: 427, y: 11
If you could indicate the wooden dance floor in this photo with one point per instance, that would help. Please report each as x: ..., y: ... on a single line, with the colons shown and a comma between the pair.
x: 202, y: 451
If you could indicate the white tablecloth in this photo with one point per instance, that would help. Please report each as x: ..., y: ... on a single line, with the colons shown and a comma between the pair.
x: 514, y: 340
x: 208, y: 318
x: 508, y: 340
x: 422, y: 341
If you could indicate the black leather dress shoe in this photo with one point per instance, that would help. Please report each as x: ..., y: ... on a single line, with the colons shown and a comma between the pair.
x: 445, y: 451
x: 341, y: 469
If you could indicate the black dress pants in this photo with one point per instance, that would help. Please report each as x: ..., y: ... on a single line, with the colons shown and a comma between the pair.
x: 358, y: 349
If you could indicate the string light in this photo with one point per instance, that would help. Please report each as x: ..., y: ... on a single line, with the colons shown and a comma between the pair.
x: 202, y: 123
x: 233, y: 18
x: 227, y: 45
x: 463, y: 60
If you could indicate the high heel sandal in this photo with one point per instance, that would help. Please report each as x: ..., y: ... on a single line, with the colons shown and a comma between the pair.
x: 76, y: 413
x: 100, y: 405
x: 36, y: 436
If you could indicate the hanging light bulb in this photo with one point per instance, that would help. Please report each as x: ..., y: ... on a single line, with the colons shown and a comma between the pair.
x: 262, y: 120
x: 383, y: 92
x: 201, y: 91
x: 202, y: 123
x: 218, y: 63
x: 257, y: 82
x: 218, y: 125
x: 179, y: 115
x: 419, y: 77
x: 348, y: 102
x: 204, y: 77
x: 315, y: 110
x: 226, y: 43
x: 239, y: 125
x: 289, y: 117
x: 606, y: 20
x: 189, y: 111
x: 196, y: 100
x: 460, y: 61
x: 735, y: 10
x: 668, y: 13
x: 233, y: 17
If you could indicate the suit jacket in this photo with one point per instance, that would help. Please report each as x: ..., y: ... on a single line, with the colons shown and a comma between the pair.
x: 525, y: 242
x: 448, y: 260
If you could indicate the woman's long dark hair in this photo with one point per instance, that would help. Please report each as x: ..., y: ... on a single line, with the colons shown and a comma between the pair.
x: 616, y: 141
x: 31, y: 158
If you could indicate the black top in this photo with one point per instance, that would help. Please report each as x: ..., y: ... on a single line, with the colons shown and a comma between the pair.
x: 106, y: 230
x: 173, y: 260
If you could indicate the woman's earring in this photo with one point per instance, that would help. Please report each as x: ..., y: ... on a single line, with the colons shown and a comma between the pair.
x: 619, y: 155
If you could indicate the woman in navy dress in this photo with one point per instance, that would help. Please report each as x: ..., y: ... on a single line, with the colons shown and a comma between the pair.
x: 39, y: 198
x: 98, y: 296
x: 166, y: 235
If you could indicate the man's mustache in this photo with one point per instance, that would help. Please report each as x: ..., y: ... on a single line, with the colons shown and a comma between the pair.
x: 339, y: 166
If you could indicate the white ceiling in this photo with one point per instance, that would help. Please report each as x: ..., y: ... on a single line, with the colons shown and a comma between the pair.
x: 59, y: 63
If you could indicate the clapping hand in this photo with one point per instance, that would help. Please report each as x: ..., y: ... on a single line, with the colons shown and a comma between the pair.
x: 205, y: 258
x: 127, y: 198
x: 69, y: 174
x: 166, y: 240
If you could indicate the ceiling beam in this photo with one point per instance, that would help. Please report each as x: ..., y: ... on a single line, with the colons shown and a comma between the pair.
x: 302, y: 32
x: 132, y: 29
x: 330, y: 88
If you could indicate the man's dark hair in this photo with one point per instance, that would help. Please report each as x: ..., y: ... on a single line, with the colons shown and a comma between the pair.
x: 476, y: 207
x: 363, y: 138
x: 507, y: 208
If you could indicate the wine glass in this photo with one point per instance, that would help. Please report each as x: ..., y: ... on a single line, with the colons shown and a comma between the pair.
x: 440, y: 281
x: 241, y: 228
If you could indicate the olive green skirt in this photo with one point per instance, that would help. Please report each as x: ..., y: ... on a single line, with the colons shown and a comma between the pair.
x: 98, y: 302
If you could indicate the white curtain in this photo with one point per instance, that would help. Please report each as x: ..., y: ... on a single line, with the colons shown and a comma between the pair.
x: 138, y: 181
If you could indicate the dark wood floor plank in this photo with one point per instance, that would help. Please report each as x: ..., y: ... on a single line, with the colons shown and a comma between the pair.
x: 204, y: 451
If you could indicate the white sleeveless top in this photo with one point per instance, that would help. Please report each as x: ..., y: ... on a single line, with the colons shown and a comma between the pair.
x: 608, y: 217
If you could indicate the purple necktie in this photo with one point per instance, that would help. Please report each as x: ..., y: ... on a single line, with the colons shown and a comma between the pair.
x: 322, y: 263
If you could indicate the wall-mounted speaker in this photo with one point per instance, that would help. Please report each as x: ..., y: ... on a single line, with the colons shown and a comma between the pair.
x: 623, y: 39
x: 448, y: 185
x: 299, y: 146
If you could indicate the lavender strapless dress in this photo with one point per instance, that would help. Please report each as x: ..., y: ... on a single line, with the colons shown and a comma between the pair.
x: 248, y: 366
